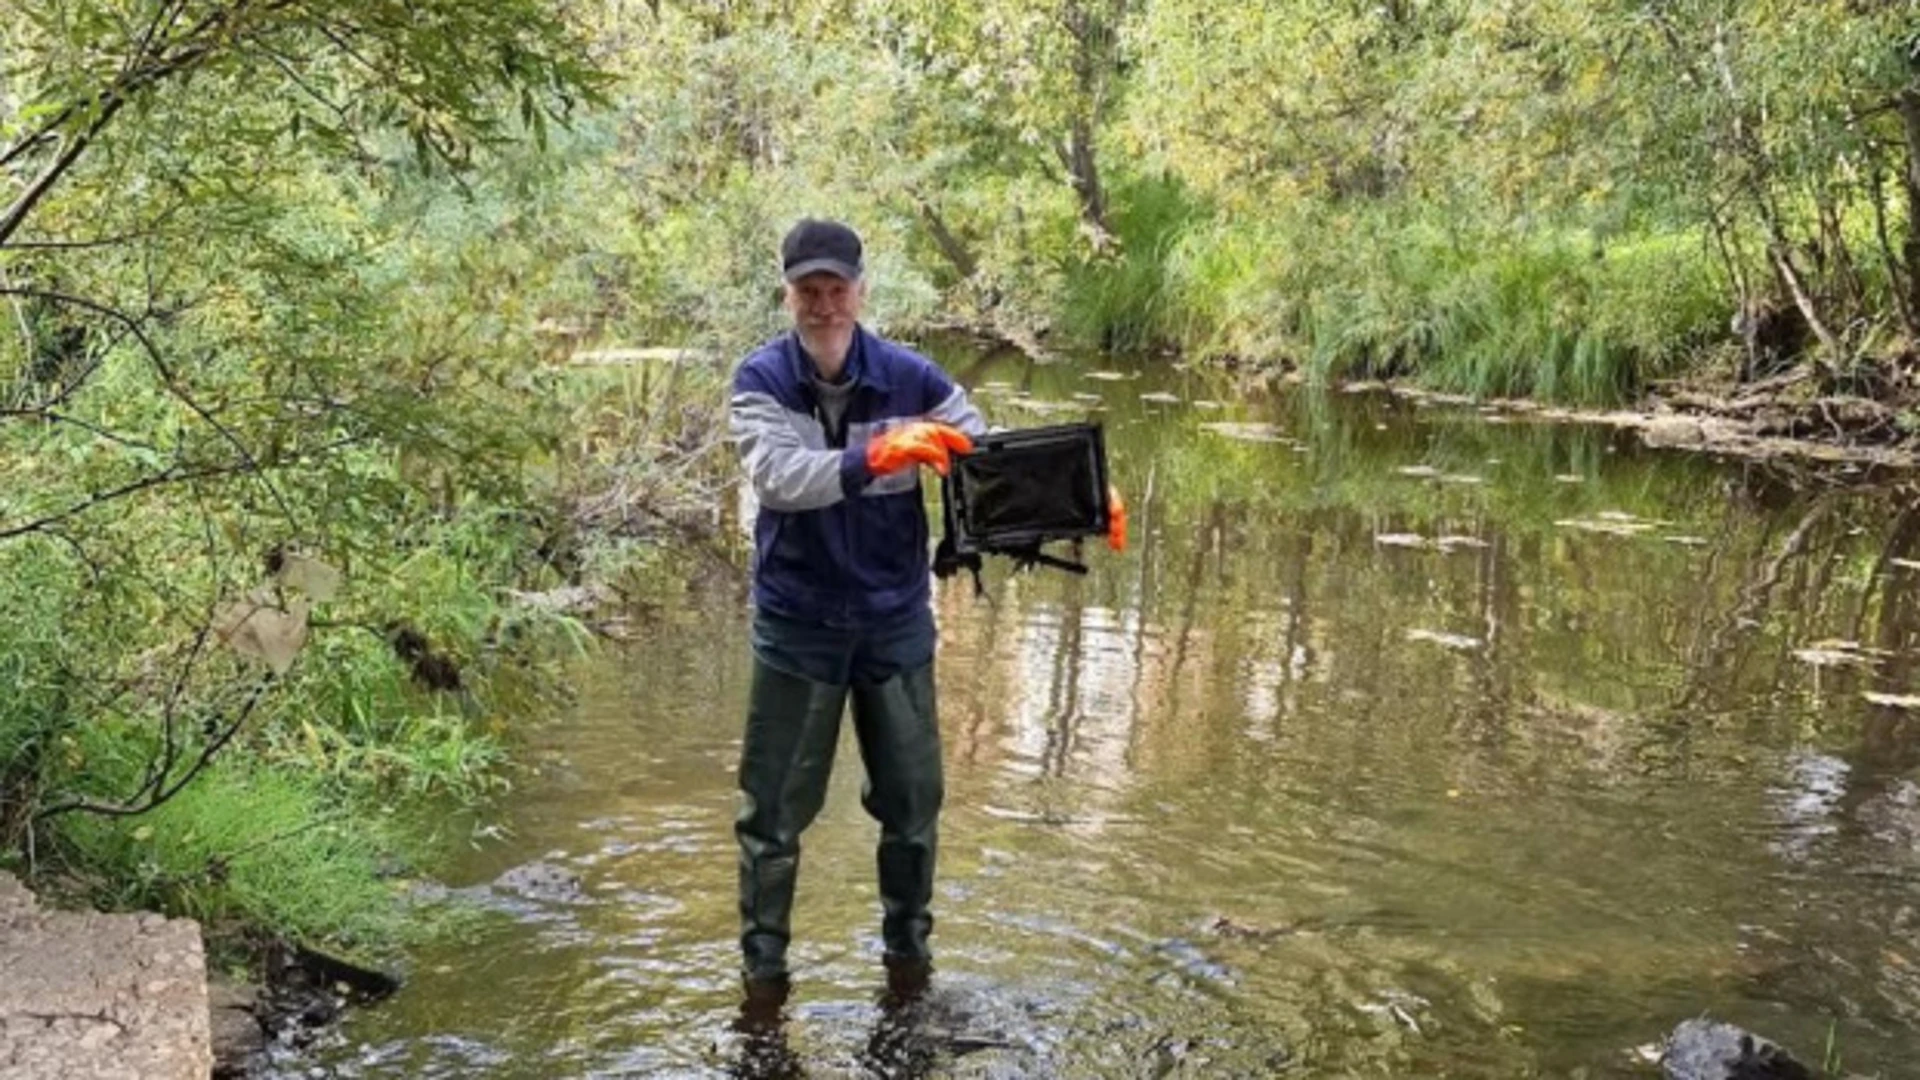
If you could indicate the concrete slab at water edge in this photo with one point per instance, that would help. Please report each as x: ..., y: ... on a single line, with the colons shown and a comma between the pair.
x: 99, y: 997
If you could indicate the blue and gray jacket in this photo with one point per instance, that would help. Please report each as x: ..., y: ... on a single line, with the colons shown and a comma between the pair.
x: 834, y: 544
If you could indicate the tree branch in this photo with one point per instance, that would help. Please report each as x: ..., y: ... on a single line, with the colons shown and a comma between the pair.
x: 22, y: 206
x: 47, y: 413
x: 171, y: 474
x: 151, y: 229
x: 152, y: 795
x: 170, y: 381
x: 146, y: 65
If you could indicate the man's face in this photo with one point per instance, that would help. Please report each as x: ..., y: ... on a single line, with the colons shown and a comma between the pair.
x: 825, y: 306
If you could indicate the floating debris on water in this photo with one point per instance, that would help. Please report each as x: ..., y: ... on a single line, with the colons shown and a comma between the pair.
x: 1229, y: 927
x: 1686, y: 541
x: 1422, y: 471
x: 1401, y: 540
x: 1569, y: 478
x: 1833, y: 658
x: 1160, y: 397
x: 1043, y: 407
x: 1462, y: 478
x: 1250, y: 431
x: 1608, y: 528
x: 1457, y: 543
x: 1909, y: 702
x: 1208, y: 404
x: 1623, y: 516
x: 1108, y: 376
x: 1610, y: 523
x: 1456, y: 642
x: 1833, y: 652
x: 1094, y: 399
x: 1395, y: 1007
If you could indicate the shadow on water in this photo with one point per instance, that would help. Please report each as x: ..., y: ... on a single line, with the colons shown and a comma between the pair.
x: 1403, y: 742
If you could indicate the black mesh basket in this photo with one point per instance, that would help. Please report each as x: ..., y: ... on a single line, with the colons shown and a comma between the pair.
x: 1020, y: 489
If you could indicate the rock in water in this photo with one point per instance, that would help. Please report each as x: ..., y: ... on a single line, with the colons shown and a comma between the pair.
x: 1705, y: 1050
x: 543, y: 881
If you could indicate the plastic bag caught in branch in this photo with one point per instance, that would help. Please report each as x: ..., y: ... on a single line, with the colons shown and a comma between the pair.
x: 257, y: 629
x: 316, y: 579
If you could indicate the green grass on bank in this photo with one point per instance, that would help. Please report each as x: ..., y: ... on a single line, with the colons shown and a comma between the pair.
x: 1400, y: 290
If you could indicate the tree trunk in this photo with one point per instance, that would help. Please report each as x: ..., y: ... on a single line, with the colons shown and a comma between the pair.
x: 1783, y: 262
x: 1095, y: 38
x: 951, y: 246
x: 1841, y: 269
x: 1899, y: 275
x: 1909, y: 106
x: 1083, y: 172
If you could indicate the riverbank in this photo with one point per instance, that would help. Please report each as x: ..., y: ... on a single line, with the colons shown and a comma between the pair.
x: 1782, y: 418
x: 1820, y: 431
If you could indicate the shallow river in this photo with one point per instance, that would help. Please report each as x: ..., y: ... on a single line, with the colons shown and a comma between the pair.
x: 1294, y: 787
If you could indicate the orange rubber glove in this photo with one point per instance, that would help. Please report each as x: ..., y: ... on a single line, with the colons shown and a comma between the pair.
x: 922, y: 442
x: 1116, y: 520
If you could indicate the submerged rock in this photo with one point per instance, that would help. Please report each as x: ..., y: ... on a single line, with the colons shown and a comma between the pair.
x: 236, y: 1031
x: 301, y: 996
x: 1706, y: 1050
x: 1187, y: 959
x: 541, y: 881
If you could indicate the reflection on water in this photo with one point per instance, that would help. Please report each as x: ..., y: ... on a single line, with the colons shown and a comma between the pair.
x: 1272, y: 796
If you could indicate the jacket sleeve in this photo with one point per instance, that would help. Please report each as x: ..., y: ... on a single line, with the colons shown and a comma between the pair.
x: 786, y: 474
x: 947, y: 402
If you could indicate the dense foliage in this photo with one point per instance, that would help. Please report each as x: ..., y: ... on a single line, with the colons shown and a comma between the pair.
x: 1568, y: 200
x: 287, y: 462
x: 292, y: 455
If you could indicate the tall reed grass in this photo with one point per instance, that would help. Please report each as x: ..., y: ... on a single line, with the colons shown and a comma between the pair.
x: 1401, y: 290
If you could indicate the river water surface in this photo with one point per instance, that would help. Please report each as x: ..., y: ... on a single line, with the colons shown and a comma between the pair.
x: 1295, y: 787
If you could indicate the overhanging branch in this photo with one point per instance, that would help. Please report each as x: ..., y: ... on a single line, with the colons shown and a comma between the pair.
x: 168, y: 379
x: 157, y: 789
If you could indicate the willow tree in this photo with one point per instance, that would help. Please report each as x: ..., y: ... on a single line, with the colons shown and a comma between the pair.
x: 216, y: 363
x: 1787, y: 134
x: 1793, y: 122
x: 1033, y: 88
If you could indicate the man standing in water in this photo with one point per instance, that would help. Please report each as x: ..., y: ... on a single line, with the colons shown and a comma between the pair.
x: 832, y: 422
